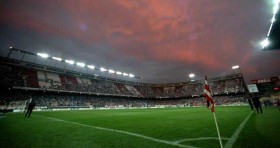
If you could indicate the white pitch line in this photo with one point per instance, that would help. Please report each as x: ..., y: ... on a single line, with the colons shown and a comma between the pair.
x: 201, y: 138
x: 2, y: 117
x: 123, y: 132
x: 234, y: 137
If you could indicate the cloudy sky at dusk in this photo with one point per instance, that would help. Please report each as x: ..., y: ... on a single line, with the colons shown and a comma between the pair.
x: 159, y: 40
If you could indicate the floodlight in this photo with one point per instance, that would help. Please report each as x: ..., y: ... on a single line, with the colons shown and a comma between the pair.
x: 265, y: 42
x: 43, y: 55
x: 90, y: 66
x: 70, y: 62
x: 111, y: 71
x: 273, y: 19
x: 191, y: 75
x: 81, y: 64
x: 11, y: 47
x: 235, y: 67
x: 125, y: 74
x: 103, y: 69
x: 275, y: 8
x: 56, y: 58
x: 131, y: 75
x: 119, y: 73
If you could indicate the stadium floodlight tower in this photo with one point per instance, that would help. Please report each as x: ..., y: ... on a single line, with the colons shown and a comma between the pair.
x: 272, y: 38
x: 236, y: 67
x: 191, y: 76
x: 265, y: 42
x: 239, y: 69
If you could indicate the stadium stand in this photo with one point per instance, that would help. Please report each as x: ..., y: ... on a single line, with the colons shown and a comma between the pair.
x: 55, y: 88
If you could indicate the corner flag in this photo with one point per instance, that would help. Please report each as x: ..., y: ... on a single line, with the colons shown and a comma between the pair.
x: 208, y: 96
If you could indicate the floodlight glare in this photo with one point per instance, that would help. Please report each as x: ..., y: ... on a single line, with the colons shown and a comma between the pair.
x: 275, y: 8
x: 103, y: 69
x: 235, y: 67
x: 131, y: 75
x: 273, y: 19
x: 43, y: 55
x: 111, y: 71
x: 56, y: 58
x: 11, y: 47
x: 265, y: 43
x: 81, y: 64
x: 70, y: 62
x: 90, y: 66
x: 119, y: 73
x: 125, y: 74
x: 191, y: 75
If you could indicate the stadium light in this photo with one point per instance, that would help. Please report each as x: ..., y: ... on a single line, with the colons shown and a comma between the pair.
x: 43, y: 55
x: 81, y: 64
x: 235, y: 67
x: 265, y: 43
x: 56, y: 58
x: 90, y: 66
x: 111, y: 71
x: 273, y: 19
x: 70, y: 62
x: 131, y: 75
x: 11, y: 47
x: 191, y: 75
x: 276, y: 6
x: 103, y: 69
x: 125, y: 74
x: 119, y: 73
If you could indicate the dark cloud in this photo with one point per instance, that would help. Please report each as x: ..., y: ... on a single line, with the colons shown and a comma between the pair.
x: 160, y: 40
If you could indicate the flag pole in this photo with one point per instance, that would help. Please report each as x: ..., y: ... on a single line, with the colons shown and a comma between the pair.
x: 221, y: 144
x: 209, y: 99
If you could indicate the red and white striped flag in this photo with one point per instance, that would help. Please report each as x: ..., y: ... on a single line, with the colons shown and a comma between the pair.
x: 208, y: 96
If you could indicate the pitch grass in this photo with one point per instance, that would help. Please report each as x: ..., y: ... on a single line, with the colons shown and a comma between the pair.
x: 75, y: 128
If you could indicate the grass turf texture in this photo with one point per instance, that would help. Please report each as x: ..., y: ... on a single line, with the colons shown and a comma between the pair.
x: 172, y: 125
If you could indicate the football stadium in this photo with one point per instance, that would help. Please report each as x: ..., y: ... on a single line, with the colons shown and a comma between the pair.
x: 51, y: 100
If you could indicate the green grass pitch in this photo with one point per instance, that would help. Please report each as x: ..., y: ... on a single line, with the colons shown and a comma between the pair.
x: 143, y: 128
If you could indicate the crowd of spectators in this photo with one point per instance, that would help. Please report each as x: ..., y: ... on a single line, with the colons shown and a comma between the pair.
x: 70, y: 100
x: 10, y: 76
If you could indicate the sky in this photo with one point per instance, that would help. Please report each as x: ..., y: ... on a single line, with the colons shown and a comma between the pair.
x: 161, y: 41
